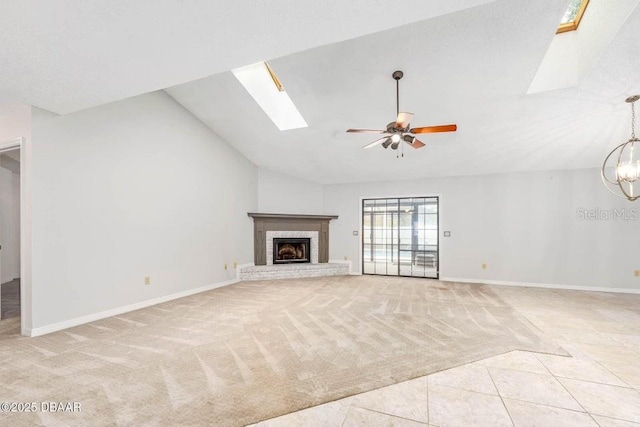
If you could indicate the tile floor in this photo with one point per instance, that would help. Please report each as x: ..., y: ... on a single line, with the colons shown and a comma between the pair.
x: 598, y: 386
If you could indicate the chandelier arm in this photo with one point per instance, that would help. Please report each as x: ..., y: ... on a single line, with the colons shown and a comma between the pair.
x: 626, y: 173
x: 626, y: 194
x: 606, y: 160
x: 604, y: 181
x: 619, y: 162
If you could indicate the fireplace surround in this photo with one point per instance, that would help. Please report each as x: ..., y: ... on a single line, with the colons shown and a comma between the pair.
x: 267, y: 227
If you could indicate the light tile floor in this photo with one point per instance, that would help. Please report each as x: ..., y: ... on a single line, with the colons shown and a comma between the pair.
x: 598, y: 386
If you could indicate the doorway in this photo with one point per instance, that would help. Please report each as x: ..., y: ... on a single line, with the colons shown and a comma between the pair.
x: 10, y: 234
x: 400, y: 237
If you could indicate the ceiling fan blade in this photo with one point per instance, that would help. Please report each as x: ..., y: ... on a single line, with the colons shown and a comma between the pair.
x: 376, y: 142
x: 417, y: 143
x: 435, y: 129
x: 403, y: 120
x: 366, y: 131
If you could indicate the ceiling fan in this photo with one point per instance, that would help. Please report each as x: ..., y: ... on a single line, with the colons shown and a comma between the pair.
x: 400, y: 130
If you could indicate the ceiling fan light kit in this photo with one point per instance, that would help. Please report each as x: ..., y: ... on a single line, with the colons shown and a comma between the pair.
x: 625, y: 163
x: 400, y: 130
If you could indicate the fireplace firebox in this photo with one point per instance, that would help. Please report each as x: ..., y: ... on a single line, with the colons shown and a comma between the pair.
x: 291, y: 250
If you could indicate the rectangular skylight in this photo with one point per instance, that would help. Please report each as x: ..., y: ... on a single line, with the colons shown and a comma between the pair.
x: 265, y: 88
x: 573, y: 15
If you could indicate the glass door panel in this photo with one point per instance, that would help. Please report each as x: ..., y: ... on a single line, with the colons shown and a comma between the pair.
x: 400, y: 237
x: 368, y: 267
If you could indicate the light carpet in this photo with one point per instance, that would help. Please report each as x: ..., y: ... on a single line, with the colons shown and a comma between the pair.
x: 256, y: 350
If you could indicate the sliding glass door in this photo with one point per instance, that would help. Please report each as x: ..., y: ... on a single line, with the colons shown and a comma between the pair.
x: 400, y: 237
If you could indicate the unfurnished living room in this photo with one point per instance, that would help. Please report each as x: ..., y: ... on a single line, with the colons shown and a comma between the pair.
x: 320, y: 213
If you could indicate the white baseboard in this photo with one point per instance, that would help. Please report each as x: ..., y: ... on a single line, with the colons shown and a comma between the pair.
x: 42, y: 330
x: 543, y: 285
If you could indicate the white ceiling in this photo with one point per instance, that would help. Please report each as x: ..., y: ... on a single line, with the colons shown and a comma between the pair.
x: 468, y: 62
x: 472, y: 67
x: 64, y: 56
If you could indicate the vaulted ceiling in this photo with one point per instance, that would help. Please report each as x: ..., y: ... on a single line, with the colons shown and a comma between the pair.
x: 472, y: 67
x: 465, y: 62
x: 65, y: 56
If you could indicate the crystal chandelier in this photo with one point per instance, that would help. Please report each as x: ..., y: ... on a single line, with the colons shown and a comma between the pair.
x: 626, y: 168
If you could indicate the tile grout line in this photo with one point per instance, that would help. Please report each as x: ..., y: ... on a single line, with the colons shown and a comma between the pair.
x: 614, y: 418
x: 599, y: 363
x: 614, y: 374
x: 548, y: 406
x: 601, y: 415
x: 518, y: 370
x: 391, y: 415
x: 567, y: 390
x: 528, y: 401
x: 344, y: 420
x: 470, y: 391
x: 500, y: 396
x: 627, y: 386
x: 428, y: 399
x: 597, y: 382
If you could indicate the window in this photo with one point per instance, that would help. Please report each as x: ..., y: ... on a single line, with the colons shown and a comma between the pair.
x: 572, y: 16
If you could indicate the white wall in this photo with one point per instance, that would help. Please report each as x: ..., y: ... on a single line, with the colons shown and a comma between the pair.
x: 6, y: 217
x: 525, y: 226
x: 14, y: 125
x: 9, y: 225
x: 14, y: 239
x: 280, y: 193
x: 132, y: 189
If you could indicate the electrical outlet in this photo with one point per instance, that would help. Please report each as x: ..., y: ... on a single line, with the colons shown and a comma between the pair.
x: 147, y: 280
x: 235, y: 264
x: 637, y: 273
x: 225, y: 265
x: 346, y: 258
x: 484, y: 266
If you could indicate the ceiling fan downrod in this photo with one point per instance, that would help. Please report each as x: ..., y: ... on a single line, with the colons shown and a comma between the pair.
x: 397, y: 75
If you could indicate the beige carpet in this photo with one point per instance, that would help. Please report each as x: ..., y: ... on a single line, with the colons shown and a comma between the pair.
x: 256, y: 350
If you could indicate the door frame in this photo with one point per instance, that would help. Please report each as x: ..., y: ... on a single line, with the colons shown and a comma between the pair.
x: 25, y: 231
x: 416, y: 196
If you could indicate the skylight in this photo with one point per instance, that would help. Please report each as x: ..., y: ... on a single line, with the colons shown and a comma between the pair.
x: 572, y: 16
x: 265, y: 88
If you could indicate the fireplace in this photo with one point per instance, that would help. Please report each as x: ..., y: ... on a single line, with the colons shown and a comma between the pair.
x: 291, y: 250
x: 268, y: 226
